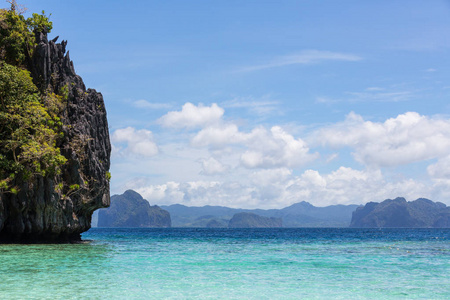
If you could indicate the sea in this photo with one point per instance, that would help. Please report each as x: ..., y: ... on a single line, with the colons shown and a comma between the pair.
x: 201, y: 263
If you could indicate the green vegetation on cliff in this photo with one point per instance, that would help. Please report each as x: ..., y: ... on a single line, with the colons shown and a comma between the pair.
x: 17, y: 34
x: 29, y: 123
x: 54, y: 140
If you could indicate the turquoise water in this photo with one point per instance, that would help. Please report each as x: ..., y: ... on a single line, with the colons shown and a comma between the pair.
x: 233, y: 264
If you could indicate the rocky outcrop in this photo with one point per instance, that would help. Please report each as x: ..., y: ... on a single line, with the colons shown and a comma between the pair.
x: 60, y: 208
x: 131, y: 210
x: 250, y: 220
x: 421, y: 213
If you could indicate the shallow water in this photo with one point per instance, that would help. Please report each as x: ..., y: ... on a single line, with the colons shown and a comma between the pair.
x: 233, y: 264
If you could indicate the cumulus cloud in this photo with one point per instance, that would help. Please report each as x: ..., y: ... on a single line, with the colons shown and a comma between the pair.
x: 277, y: 188
x: 131, y: 141
x: 440, y: 175
x: 192, y: 116
x: 408, y: 138
x: 263, y: 148
x: 212, y: 166
x: 440, y: 169
x: 199, y: 193
x: 266, y: 161
x: 275, y: 148
x: 303, y: 58
x: 218, y: 136
x: 347, y: 186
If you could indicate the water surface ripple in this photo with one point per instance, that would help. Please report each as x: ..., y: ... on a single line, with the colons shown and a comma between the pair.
x: 184, y: 263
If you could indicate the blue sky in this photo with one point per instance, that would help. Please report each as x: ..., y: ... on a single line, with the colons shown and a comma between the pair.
x: 268, y: 103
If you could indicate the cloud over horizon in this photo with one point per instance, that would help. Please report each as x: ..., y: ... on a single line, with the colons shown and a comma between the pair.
x: 407, y: 138
x: 266, y: 167
x: 278, y: 188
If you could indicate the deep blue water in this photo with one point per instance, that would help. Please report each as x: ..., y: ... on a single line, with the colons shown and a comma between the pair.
x: 303, y: 235
x: 184, y: 263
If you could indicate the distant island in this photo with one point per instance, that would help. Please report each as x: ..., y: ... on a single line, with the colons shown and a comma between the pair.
x: 302, y: 214
x: 131, y: 210
x: 421, y: 213
x: 249, y: 220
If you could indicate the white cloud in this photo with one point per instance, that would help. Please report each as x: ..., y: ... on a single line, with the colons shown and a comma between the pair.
x: 327, y: 100
x: 440, y: 175
x: 169, y: 192
x: 278, y: 188
x: 192, y: 116
x: 347, y: 186
x: 198, y: 193
x: 150, y: 105
x: 332, y: 157
x: 440, y: 169
x: 260, y: 107
x: 374, y: 88
x: 218, y: 136
x: 372, y: 94
x: 261, y: 148
x: 212, y: 166
x: 407, y: 138
x: 303, y: 58
x: 275, y: 148
x: 265, y: 162
x: 137, y: 142
x: 269, y: 185
x: 379, y: 96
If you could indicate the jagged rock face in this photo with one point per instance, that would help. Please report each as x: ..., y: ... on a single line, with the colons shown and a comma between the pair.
x: 421, y: 213
x: 39, y: 212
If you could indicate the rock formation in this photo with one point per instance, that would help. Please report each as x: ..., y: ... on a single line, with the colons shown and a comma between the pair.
x: 131, y: 210
x: 421, y: 213
x: 250, y: 220
x: 59, y: 208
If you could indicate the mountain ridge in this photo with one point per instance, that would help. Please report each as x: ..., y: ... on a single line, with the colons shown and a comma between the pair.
x: 301, y: 214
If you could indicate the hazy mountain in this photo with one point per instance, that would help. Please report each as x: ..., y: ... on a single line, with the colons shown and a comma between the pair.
x: 301, y: 214
x: 400, y: 213
x: 131, y: 210
x: 250, y: 220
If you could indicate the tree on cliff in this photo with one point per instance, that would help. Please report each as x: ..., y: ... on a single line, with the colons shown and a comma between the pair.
x: 29, y: 130
x: 17, y: 34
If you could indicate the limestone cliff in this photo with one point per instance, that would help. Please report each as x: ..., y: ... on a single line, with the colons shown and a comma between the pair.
x: 59, y: 208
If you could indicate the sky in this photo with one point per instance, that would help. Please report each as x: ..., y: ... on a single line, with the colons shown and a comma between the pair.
x: 262, y: 104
